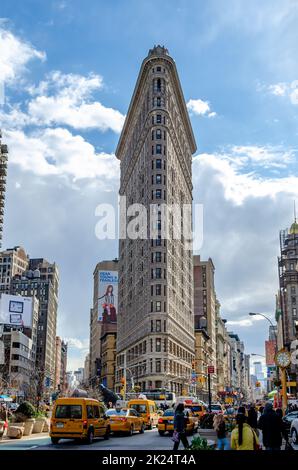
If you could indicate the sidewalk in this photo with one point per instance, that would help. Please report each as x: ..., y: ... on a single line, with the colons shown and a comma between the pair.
x: 39, y: 435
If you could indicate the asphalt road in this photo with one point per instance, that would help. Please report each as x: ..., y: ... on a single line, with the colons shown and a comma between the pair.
x: 149, y: 440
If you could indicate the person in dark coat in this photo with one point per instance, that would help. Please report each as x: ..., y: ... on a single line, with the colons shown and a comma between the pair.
x: 271, y: 427
x: 252, y: 417
x: 180, y: 421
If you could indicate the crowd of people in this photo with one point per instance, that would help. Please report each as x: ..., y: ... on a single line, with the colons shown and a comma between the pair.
x: 246, y: 433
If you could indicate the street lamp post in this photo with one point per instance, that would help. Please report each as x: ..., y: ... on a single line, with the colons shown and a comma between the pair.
x: 284, y: 384
x: 253, y: 314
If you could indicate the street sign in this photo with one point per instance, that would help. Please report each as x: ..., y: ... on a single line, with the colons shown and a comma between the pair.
x: 211, y: 369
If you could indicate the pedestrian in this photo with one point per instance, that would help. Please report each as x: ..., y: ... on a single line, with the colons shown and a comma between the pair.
x: 271, y: 427
x: 242, y: 410
x: 252, y: 417
x: 243, y: 436
x: 180, y: 422
x: 284, y: 430
x: 219, y: 426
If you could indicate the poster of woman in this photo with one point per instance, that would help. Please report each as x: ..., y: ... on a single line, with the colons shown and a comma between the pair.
x: 108, y: 296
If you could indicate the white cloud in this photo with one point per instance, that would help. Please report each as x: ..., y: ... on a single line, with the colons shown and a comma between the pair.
x: 58, y: 152
x: 287, y: 90
x: 237, y: 171
x: 200, y: 108
x: 278, y: 89
x: 65, y: 99
x: 77, y: 343
x: 14, y: 56
x: 244, y: 321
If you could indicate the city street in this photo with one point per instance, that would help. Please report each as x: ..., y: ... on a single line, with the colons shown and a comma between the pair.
x: 149, y: 440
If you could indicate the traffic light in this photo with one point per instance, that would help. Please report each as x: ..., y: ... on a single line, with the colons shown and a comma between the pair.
x: 258, y: 384
x: 123, y: 381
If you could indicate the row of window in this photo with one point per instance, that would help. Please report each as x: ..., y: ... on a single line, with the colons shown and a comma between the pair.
x: 158, y: 149
x: 156, y: 273
x: 157, y: 134
x: 157, y: 194
x: 157, y: 179
x: 157, y: 305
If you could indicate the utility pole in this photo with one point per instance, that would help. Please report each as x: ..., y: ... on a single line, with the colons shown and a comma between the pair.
x: 210, y: 370
x: 209, y: 392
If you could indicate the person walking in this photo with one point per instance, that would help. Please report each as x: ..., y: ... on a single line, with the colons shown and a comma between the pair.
x: 219, y: 426
x: 243, y: 436
x: 180, y: 422
x: 284, y: 430
x: 271, y: 427
x: 252, y: 417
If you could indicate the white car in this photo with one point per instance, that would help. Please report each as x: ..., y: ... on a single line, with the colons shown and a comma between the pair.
x: 294, y: 431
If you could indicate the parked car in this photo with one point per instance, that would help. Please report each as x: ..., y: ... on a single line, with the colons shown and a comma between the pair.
x: 288, y: 418
x: 125, y: 420
x: 294, y: 431
x: 79, y: 418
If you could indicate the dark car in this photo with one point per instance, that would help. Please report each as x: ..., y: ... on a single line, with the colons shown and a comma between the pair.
x: 288, y: 418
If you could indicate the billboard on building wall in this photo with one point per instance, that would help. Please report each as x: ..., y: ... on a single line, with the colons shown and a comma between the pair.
x: 270, y: 347
x: 107, y: 296
x: 16, y: 310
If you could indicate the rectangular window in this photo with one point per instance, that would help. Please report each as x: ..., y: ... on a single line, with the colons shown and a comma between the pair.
x: 158, y: 241
x: 157, y: 366
x: 158, y: 179
x: 158, y: 194
x: 158, y: 326
x: 158, y: 345
x: 158, y: 118
x: 157, y: 289
x: 158, y: 149
x: 157, y: 256
x: 68, y: 411
x: 158, y: 134
x: 158, y: 164
x: 158, y: 102
x: 158, y: 306
x: 156, y: 273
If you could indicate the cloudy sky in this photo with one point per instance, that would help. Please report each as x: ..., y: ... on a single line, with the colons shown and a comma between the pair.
x: 67, y: 72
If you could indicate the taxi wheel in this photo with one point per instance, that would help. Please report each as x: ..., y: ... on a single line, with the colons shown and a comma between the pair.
x: 131, y: 430
x: 150, y: 425
x: 294, y: 437
x: 161, y: 433
x: 142, y: 430
x: 54, y: 440
x: 107, y: 434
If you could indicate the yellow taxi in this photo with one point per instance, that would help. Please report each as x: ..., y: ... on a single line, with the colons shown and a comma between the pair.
x: 198, y: 409
x: 147, y: 410
x: 79, y: 418
x: 166, y: 422
x: 123, y: 420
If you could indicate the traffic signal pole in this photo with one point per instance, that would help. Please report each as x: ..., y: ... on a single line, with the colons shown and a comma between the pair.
x: 209, y: 392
